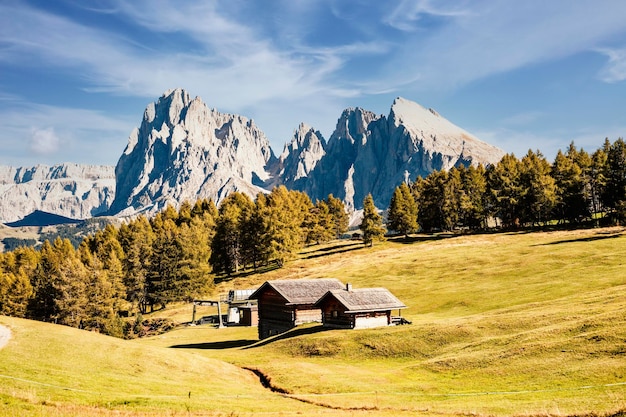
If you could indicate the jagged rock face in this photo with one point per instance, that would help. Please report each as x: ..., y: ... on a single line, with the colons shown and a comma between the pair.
x: 70, y: 190
x: 373, y: 154
x: 185, y: 151
x: 299, y: 157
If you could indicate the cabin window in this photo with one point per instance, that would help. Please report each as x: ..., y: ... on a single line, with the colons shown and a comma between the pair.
x: 335, y: 314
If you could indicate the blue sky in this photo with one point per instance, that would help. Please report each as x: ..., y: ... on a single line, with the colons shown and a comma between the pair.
x: 76, y: 76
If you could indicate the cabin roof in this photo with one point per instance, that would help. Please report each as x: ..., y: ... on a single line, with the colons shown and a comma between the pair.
x: 362, y: 300
x: 300, y: 291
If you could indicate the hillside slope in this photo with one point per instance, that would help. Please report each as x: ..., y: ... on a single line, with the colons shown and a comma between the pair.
x: 503, y: 324
x: 71, y: 371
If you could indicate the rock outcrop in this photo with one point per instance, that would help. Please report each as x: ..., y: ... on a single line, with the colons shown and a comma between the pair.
x: 373, y: 154
x: 72, y: 190
x: 299, y: 158
x: 185, y: 151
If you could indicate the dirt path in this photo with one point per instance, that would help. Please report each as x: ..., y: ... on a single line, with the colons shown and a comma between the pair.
x: 5, y: 335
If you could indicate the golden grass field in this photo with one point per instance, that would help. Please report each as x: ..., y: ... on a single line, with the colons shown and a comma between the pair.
x: 503, y: 324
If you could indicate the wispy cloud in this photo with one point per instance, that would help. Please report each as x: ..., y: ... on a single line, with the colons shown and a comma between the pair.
x: 407, y: 14
x: 615, y: 69
x: 299, y: 61
x: 51, y: 131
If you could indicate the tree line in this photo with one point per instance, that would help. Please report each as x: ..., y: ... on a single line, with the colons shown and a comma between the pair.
x: 175, y: 256
x: 576, y: 188
x: 147, y: 263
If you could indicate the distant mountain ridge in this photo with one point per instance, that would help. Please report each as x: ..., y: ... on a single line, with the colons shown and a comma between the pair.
x: 184, y: 151
x: 70, y: 190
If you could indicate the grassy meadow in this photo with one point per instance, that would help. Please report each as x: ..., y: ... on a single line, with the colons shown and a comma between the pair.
x: 502, y: 324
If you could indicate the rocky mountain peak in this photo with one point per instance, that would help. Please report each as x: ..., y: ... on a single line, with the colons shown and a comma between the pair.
x: 300, y: 156
x: 183, y: 151
x: 352, y: 125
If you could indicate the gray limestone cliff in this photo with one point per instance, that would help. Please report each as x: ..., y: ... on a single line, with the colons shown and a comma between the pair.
x: 71, y: 190
x: 185, y: 151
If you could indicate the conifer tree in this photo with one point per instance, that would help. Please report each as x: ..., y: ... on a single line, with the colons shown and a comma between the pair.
x: 226, y: 247
x: 505, y: 190
x: 337, y: 210
x: 572, y: 203
x: 136, y: 239
x: 539, y: 190
x: 372, y: 223
x: 254, y: 231
x: 319, y: 224
x: 473, y: 196
x: 287, y: 211
x: 614, y: 197
x: 402, y: 216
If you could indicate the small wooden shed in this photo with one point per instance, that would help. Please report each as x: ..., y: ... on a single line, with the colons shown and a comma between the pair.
x: 361, y: 308
x: 284, y: 304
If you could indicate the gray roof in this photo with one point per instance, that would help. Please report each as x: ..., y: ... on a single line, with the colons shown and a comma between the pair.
x: 300, y: 291
x: 364, y: 299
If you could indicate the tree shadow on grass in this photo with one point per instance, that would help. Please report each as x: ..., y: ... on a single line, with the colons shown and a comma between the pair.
x: 334, y: 250
x: 227, y: 344
x: 298, y: 331
x: 249, y: 343
x: 584, y: 239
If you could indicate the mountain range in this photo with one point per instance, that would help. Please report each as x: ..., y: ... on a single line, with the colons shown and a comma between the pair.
x: 183, y: 150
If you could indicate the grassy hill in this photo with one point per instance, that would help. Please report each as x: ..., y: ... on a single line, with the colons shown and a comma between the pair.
x: 503, y: 324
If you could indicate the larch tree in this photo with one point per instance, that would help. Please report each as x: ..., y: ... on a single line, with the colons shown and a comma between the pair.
x: 136, y: 240
x: 539, y: 190
x: 341, y: 219
x: 614, y: 197
x: 372, y: 224
x: 402, y: 215
x: 226, y: 246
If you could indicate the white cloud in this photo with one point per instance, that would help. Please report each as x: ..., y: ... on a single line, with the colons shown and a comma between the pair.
x: 78, y: 135
x: 44, y: 141
x: 407, y: 14
x: 615, y: 69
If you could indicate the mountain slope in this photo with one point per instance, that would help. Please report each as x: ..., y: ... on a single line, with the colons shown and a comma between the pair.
x: 185, y: 151
x: 373, y: 154
x: 71, y: 190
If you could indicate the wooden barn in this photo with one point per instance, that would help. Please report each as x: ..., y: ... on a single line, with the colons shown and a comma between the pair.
x: 348, y: 308
x: 284, y: 304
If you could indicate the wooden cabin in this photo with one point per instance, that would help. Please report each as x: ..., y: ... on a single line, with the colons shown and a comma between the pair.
x: 348, y: 308
x: 284, y: 304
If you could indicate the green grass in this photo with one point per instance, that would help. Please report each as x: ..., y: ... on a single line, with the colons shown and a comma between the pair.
x: 503, y: 324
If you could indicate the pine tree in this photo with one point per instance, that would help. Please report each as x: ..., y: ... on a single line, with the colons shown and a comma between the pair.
x: 287, y: 212
x: 341, y: 219
x: 319, y: 224
x: 614, y: 197
x: 572, y: 203
x: 505, y: 190
x: 136, y: 239
x: 402, y: 216
x: 372, y: 223
x: 538, y: 189
x: 473, y: 197
x: 226, y: 246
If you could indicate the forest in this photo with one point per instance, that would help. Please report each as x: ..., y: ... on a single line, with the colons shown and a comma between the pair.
x: 119, y: 273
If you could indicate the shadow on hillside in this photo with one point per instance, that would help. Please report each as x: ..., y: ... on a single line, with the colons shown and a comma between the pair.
x: 334, y: 250
x: 288, y: 335
x: 421, y: 238
x: 227, y: 344
x: 584, y: 239
x: 260, y: 270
